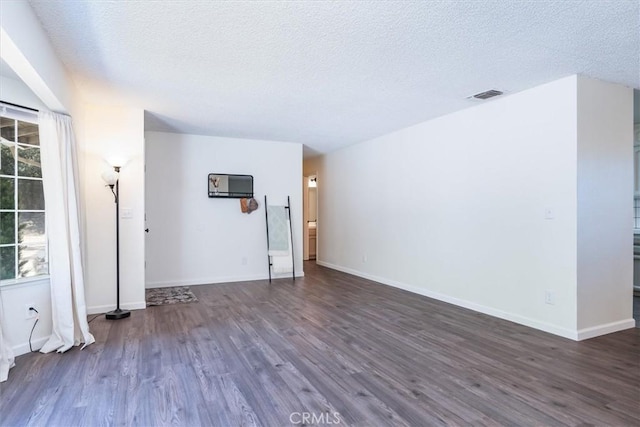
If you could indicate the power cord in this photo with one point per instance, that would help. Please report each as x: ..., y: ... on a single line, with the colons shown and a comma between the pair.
x: 38, y: 318
x: 34, y: 326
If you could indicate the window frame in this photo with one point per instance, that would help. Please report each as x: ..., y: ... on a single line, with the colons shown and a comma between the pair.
x: 17, y: 116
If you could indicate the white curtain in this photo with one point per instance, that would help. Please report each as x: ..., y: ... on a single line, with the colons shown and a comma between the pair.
x: 6, y: 354
x: 60, y: 181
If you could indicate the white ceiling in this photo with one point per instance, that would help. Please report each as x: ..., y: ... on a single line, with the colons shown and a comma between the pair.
x: 330, y: 73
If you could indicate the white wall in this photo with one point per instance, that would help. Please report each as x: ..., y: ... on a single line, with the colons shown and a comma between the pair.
x: 14, y: 300
x: 454, y: 208
x: 112, y: 135
x: 194, y: 239
x: 605, y: 206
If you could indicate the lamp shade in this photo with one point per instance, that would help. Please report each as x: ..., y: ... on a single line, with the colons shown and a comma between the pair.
x: 110, y: 176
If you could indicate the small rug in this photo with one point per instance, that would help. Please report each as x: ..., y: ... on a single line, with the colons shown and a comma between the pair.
x: 175, y: 295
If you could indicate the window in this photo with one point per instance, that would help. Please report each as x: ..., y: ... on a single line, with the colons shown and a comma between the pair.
x: 23, y: 243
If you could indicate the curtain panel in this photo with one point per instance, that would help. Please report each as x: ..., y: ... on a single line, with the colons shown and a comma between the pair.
x: 60, y: 182
x: 6, y: 353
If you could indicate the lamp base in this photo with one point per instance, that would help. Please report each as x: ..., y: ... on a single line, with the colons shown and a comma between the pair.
x: 118, y: 314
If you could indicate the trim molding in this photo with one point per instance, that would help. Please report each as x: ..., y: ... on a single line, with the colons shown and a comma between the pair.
x: 20, y: 349
x: 607, y: 328
x: 219, y: 280
x: 577, y: 335
x: 99, y: 309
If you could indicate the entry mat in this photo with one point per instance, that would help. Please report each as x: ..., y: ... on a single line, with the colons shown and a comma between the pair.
x: 174, y: 295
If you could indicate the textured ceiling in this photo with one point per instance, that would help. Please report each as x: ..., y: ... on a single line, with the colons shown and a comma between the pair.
x: 329, y: 74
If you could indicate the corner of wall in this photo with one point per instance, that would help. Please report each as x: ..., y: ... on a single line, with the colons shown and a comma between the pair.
x: 605, y: 206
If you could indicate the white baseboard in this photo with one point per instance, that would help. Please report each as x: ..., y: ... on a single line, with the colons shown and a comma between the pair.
x: 219, y: 280
x: 98, y: 309
x: 512, y: 317
x: 23, y: 348
x: 608, y: 328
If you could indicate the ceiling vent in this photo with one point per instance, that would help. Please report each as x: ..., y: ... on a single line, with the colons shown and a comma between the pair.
x: 486, y: 95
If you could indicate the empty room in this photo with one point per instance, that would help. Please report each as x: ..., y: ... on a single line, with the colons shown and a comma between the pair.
x: 312, y: 213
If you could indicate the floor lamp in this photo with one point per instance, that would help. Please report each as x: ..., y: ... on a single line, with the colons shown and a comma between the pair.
x: 112, y: 180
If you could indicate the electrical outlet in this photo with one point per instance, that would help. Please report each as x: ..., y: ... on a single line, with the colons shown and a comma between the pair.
x: 364, y: 258
x: 549, y: 298
x: 30, y: 314
x: 244, y: 260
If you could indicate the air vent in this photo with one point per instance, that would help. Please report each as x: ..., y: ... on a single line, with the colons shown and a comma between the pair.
x: 486, y: 95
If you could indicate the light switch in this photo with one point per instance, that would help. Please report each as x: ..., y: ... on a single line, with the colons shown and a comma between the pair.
x: 126, y: 213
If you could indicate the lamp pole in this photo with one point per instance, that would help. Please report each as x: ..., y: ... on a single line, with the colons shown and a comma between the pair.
x: 117, y: 313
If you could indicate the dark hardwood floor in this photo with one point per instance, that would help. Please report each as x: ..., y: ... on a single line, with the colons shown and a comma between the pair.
x: 258, y: 354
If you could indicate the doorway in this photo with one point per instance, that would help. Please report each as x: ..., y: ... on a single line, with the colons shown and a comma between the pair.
x: 310, y: 207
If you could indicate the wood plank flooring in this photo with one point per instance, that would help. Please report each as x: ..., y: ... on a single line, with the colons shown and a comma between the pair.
x: 341, y: 349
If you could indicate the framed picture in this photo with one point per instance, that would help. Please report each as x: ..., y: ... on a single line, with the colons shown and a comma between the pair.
x: 230, y: 186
